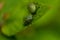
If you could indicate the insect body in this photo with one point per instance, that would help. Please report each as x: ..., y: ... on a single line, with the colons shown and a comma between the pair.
x: 32, y: 7
x: 28, y: 20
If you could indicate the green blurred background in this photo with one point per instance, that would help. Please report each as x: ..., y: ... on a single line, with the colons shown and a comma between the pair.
x: 45, y: 26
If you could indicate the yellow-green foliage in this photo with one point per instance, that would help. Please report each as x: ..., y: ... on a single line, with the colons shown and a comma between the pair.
x: 45, y: 25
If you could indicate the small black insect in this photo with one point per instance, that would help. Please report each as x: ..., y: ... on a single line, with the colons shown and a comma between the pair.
x: 28, y: 20
x: 33, y: 7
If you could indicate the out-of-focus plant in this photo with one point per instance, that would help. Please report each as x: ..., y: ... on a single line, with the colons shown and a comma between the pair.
x: 43, y: 19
